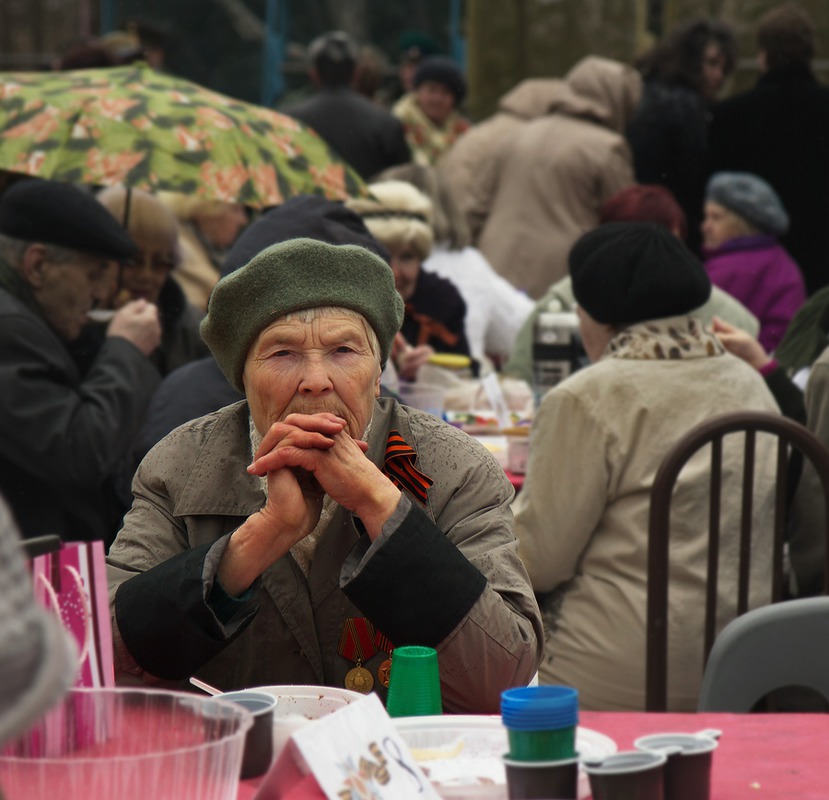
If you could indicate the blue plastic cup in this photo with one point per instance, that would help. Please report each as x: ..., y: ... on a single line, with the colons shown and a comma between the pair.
x: 541, y: 722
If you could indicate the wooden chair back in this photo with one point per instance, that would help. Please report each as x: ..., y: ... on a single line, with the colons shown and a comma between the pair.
x: 789, y: 435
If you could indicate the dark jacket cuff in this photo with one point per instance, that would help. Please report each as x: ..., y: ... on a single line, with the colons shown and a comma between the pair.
x: 148, y: 610
x: 418, y: 586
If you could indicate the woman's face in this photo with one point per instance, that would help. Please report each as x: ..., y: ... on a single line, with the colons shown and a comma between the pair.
x: 436, y: 101
x: 310, y: 367
x: 405, y: 264
x: 713, y: 70
x: 719, y: 225
x: 143, y: 276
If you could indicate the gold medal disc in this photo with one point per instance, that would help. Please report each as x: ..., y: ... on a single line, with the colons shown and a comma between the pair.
x: 359, y: 680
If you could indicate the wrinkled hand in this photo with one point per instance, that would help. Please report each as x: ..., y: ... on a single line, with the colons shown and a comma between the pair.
x: 311, y: 447
x: 304, y: 457
x: 294, y: 494
x: 741, y: 344
x: 139, y: 323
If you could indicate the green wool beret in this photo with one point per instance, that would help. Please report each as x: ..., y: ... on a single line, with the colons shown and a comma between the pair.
x: 291, y: 276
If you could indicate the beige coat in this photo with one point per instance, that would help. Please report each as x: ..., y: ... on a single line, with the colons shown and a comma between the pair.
x: 582, y: 516
x: 467, y: 167
x: 196, y: 273
x: 192, y: 489
x: 554, y: 174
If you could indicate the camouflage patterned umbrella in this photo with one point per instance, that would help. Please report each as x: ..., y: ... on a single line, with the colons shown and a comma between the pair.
x: 143, y: 129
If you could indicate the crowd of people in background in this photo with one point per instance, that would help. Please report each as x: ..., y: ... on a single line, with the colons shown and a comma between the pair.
x: 689, y: 233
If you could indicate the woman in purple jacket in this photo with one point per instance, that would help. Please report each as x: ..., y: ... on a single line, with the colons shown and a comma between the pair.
x: 743, y: 218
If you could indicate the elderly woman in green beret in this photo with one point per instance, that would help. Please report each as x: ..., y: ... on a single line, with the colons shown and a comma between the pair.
x: 301, y: 534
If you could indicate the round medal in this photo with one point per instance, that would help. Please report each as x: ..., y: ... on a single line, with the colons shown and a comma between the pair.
x: 384, y: 672
x: 359, y: 680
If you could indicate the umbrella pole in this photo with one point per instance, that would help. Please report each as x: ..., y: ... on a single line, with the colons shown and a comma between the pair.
x: 127, y: 201
x: 125, y: 222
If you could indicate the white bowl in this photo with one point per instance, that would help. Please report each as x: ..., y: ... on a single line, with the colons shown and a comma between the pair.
x: 298, y: 706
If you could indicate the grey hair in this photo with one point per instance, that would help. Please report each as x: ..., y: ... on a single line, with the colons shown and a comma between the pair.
x: 306, y: 315
x: 12, y: 250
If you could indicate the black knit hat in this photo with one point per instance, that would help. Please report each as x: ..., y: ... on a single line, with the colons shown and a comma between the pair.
x: 626, y: 272
x: 63, y: 215
x: 442, y: 69
x: 306, y: 216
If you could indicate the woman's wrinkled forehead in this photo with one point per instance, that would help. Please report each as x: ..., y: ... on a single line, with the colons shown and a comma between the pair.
x: 309, y: 315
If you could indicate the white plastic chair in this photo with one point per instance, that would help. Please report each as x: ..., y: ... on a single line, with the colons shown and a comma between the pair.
x: 768, y: 648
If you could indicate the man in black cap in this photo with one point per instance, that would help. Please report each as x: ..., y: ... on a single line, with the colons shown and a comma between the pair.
x: 367, y: 136
x: 62, y: 434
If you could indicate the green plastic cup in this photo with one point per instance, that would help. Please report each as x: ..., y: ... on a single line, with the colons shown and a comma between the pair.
x: 542, y: 745
x: 414, y: 682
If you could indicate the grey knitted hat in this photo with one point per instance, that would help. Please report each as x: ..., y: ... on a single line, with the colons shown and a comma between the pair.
x: 291, y: 276
x: 751, y: 198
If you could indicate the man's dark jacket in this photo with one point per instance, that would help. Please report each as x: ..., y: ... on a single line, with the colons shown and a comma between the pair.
x: 61, y: 437
x: 367, y: 136
x: 779, y: 130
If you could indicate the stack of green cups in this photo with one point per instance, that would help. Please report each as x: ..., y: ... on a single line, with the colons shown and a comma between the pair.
x: 541, y: 726
x: 414, y: 682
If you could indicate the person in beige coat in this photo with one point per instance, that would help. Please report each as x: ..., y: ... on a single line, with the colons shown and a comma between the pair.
x: 300, y: 534
x: 207, y: 229
x: 596, y: 443
x: 552, y: 177
x: 465, y: 166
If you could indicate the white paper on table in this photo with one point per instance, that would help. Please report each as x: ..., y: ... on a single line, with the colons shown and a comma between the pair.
x: 357, y: 753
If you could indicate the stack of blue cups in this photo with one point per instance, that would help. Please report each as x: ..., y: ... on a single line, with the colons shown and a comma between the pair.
x: 541, y: 724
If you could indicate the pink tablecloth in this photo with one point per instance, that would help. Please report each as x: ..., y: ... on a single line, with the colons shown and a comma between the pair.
x: 760, y: 756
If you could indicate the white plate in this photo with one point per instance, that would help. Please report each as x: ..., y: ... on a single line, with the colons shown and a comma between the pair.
x: 462, y: 753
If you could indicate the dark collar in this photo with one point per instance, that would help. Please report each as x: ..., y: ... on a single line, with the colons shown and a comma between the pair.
x: 11, y: 281
x: 788, y: 73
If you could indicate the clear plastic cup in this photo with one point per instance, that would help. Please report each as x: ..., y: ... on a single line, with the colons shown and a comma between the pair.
x: 423, y: 396
x: 129, y: 744
x: 414, y: 682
